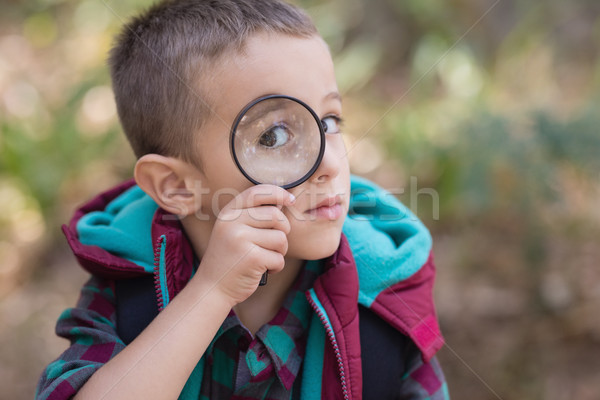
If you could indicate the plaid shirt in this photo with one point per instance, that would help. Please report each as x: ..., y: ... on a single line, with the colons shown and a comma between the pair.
x: 265, y: 366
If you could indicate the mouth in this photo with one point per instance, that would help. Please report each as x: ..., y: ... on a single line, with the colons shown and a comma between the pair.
x: 329, y: 208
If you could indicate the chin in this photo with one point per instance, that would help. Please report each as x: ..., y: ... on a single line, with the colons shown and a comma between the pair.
x: 317, y: 246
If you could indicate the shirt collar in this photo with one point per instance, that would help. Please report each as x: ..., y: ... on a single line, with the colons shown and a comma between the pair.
x: 280, y: 344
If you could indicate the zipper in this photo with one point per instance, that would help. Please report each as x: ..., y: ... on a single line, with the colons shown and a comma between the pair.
x: 318, y: 308
x: 160, y: 273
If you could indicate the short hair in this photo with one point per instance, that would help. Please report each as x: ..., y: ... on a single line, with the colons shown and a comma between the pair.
x: 160, y: 57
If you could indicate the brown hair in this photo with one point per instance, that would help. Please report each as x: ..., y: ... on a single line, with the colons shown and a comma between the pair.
x: 160, y: 57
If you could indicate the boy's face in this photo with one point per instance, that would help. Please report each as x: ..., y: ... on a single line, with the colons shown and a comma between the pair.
x: 298, y: 67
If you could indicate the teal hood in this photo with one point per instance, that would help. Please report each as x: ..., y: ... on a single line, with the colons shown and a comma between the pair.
x: 388, y: 242
x: 123, y: 228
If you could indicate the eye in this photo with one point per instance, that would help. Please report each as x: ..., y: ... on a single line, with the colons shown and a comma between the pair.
x: 332, y: 124
x: 274, y: 137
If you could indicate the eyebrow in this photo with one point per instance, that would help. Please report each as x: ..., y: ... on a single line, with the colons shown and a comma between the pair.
x: 334, y: 95
x: 266, y: 109
x: 274, y: 106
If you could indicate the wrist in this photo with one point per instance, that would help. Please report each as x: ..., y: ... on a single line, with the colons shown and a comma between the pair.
x: 210, y: 292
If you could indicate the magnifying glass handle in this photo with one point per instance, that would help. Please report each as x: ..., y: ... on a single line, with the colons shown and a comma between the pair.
x: 263, y: 279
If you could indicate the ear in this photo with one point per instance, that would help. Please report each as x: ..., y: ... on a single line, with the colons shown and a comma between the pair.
x: 169, y: 181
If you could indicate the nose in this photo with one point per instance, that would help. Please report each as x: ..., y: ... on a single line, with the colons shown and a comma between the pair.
x: 332, y: 162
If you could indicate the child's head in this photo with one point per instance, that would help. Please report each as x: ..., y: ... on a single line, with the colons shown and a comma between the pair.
x: 179, y: 119
x: 163, y: 59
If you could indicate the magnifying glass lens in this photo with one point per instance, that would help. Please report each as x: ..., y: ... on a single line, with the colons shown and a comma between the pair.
x: 277, y: 140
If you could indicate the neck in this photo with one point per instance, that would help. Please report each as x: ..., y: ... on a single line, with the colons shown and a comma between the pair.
x: 198, y: 233
x: 262, y: 306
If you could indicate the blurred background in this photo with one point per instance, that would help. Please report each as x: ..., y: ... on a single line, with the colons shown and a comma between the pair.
x: 481, y: 115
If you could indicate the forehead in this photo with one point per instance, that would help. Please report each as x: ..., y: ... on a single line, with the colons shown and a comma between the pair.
x: 271, y: 64
x: 267, y: 64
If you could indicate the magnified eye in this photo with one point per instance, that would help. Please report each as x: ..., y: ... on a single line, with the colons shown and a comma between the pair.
x: 275, y: 137
x: 331, y: 124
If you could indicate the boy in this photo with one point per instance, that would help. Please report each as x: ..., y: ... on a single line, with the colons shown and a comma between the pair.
x: 181, y: 74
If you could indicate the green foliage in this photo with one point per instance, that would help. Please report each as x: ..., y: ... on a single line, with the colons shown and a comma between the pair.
x: 576, y: 141
x: 500, y: 164
x: 40, y: 155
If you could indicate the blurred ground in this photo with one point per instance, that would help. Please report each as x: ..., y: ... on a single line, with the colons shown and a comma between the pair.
x: 499, y: 346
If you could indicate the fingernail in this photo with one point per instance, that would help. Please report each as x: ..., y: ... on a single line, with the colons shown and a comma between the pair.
x: 292, y: 199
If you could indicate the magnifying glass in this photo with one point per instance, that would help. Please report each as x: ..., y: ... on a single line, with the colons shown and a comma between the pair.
x: 277, y: 140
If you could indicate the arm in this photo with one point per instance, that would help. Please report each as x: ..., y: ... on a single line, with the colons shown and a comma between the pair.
x: 158, y: 362
x: 90, y: 327
x: 96, y: 347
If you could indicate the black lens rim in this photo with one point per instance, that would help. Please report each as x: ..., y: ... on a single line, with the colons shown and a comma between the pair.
x: 238, y: 119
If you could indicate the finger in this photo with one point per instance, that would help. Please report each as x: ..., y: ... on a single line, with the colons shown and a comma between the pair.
x: 271, y: 239
x: 267, y: 217
x: 260, y: 195
x: 263, y: 217
x: 271, y: 261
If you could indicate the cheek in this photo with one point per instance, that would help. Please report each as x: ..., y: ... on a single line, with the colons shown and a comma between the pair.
x: 340, y: 150
x: 222, y: 184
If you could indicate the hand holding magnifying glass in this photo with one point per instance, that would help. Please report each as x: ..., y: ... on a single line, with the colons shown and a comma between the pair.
x: 277, y: 140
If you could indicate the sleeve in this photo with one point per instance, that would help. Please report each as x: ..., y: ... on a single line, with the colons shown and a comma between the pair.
x: 393, y: 366
x: 423, y: 380
x: 91, y: 329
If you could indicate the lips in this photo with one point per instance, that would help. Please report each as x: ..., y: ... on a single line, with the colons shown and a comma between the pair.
x: 329, y: 202
x: 329, y: 208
